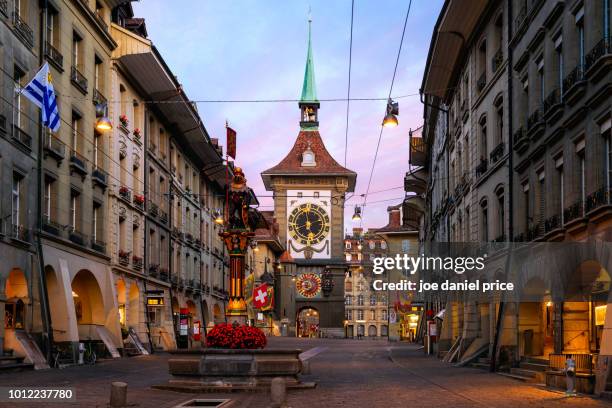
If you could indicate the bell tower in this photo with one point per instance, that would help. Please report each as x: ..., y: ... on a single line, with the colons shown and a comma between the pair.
x: 309, y: 104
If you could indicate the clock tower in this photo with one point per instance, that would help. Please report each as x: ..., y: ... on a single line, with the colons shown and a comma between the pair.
x: 309, y: 192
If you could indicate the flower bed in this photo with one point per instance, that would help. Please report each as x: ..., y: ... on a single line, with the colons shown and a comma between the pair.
x: 228, y: 336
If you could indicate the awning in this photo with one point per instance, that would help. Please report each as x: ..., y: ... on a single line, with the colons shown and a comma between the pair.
x: 453, y: 30
x: 440, y: 314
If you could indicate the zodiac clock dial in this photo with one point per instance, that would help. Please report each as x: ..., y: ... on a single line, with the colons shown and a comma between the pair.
x: 308, y: 224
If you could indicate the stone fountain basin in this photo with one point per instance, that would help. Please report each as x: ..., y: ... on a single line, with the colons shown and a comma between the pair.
x: 229, y: 367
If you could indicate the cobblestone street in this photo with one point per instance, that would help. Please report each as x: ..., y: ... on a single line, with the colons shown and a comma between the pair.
x: 349, y: 373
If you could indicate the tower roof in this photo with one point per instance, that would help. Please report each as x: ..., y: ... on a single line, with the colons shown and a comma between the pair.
x: 309, y: 88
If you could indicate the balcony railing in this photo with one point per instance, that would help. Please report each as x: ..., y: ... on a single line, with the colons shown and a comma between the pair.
x: 78, y: 79
x: 497, y: 60
x: 125, y: 193
x: 597, y: 199
x: 54, y: 147
x: 534, y: 232
x: 4, y: 7
x: 163, y: 216
x: 521, y: 17
x: 123, y: 257
x: 497, y: 153
x: 54, y: 56
x: 20, y: 233
x: 23, y: 29
x: 154, y: 269
x: 78, y: 163
x: 98, y: 245
x: 603, y: 47
x: 100, y: 177
x: 52, y: 227
x: 418, y: 151
x: 575, y: 76
x: 482, y: 81
x: 22, y: 137
x: 482, y: 167
x: 574, y: 211
x: 98, y: 98
x: 521, y: 141
x: 163, y: 273
x: 552, y: 223
x: 100, y: 20
x: 139, y: 201
x: 534, y: 119
x: 137, y: 262
x: 153, y: 209
x: 77, y: 237
x: 553, y: 99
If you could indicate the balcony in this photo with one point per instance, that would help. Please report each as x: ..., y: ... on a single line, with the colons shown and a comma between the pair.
x: 163, y: 216
x: 123, y: 257
x: 597, y: 61
x: 535, y: 124
x: 521, y: 141
x: 125, y: 194
x: 574, y: 85
x: 552, y: 105
x: 52, y: 227
x: 23, y: 30
x: 497, y: 60
x: 55, y: 148
x: 78, y: 79
x: 154, y: 269
x: 553, y: 223
x: 534, y: 232
x: 98, y: 98
x: 54, y: 56
x: 20, y: 233
x: 153, y: 209
x: 497, y: 153
x: 22, y: 137
x: 482, y: 167
x: 98, y: 246
x: 189, y: 238
x: 99, y: 177
x: 77, y: 237
x: 174, y: 280
x: 521, y: 18
x: 137, y: 262
x: 139, y: 201
x: 598, y: 204
x: 163, y: 273
x: 418, y: 151
x: 4, y: 7
x: 100, y: 20
x: 573, y: 212
x: 78, y: 163
x: 482, y: 82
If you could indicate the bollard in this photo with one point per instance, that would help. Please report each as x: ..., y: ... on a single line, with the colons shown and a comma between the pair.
x: 118, y: 397
x: 305, y: 367
x: 278, y: 392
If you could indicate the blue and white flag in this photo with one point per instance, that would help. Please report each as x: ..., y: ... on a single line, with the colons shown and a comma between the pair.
x: 40, y: 91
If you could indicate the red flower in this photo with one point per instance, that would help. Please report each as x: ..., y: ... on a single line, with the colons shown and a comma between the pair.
x: 226, y: 335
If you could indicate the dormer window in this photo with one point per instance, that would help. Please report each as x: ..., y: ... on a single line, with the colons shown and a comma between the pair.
x: 308, y: 158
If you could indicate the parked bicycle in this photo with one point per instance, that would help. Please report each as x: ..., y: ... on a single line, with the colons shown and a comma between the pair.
x: 89, y: 356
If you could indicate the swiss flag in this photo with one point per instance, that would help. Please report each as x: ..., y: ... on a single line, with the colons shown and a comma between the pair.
x: 261, y: 297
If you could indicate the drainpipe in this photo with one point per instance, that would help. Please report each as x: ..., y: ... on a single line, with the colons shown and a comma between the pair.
x: 170, y: 255
x: 47, y: 329
x: 502, y: 305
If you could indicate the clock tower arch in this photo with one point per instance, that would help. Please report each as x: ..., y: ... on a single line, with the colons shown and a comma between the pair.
x: 309, y: 188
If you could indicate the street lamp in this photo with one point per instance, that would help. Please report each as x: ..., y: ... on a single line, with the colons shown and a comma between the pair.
x: 390, y: 119
x: 103, y: 123
x: 357, y: 213
x: 218, y: 217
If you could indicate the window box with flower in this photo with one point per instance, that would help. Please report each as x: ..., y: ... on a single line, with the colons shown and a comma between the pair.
x: 124, y: 121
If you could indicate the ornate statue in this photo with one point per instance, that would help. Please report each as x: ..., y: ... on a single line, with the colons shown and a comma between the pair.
x: 239, y: 201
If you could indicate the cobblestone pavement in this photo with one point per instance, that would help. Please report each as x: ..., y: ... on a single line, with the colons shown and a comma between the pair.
x: 349, y: 373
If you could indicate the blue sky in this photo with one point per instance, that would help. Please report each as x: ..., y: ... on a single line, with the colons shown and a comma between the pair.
x: 243, y: 49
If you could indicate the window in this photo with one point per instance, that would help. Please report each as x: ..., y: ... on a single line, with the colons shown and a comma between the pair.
x: 526, y: 205
x: 75, y: 210
x: 360, y: 315
x: 581, y: 175
x: 372, y: 244
x: 606, y: 19
x: 347, y: 244
x: 53, y: 34
x: 76, y: 50
x: 97, y: 71
x: 541, y: 199
x: 348, y: 300
x: 541, y: 82
x: 98, y: 222
x: 383, y: 244
x: 559, y: 58
x: 384, y: 314
x: 49, y: 199
x: 484, y: 221
x: 405, y: 245
x: 360, y: 299
x: 96, y: 153
x: 372, y: 314
x: 501, y: 215
x: 560, y: 190
x: 499, y: 122
x: 580, y: 31
x: 19, y: 78
x: 484, y: 151
x: 372, y: 300
x: 348, y: 314
x: 16, y: 199
x: 74, y: 137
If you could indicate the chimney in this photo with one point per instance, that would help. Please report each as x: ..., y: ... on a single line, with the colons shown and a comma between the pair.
x: 394, y: 217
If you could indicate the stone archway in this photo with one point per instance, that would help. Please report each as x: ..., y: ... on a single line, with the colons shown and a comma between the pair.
x: 88, y: 304
x: 60, y: 318
x: 217, y: 314
x: 133, y: 307
x: 121, y: 302
x: 16, y: 291
x: 372, y: 332
x: 307, y: 322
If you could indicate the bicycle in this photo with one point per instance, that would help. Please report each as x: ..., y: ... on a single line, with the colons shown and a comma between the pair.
x: 89, y: 356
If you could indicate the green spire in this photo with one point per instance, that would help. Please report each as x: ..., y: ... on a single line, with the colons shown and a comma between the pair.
x: 309, y: 90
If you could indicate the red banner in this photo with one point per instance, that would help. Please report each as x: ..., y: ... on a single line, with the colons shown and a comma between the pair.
x: 261, y: 296
x: 231, y: 142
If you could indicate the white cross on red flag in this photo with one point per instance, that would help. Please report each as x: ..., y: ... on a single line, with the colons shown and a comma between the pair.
x: 261, y: 296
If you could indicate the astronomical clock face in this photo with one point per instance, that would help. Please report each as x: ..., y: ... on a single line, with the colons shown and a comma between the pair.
x: 309, y: 223
x: 308, y: 285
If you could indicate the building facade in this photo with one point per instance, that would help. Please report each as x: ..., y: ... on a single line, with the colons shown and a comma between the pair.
x: 366, y: 310
x: 544, y: 98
